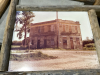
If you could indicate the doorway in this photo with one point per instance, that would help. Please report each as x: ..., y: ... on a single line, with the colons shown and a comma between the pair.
x: 45, y: 43
x: 38, y: 44
x: 71, y: 42
x: 64, y: 43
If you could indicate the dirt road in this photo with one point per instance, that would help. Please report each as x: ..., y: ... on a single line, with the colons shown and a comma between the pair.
x: 65, y: 60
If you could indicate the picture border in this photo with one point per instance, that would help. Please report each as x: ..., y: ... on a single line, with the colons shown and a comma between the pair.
x: 7, y: 39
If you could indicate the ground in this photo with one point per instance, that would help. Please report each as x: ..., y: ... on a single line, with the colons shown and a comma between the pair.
x: 67, y: 59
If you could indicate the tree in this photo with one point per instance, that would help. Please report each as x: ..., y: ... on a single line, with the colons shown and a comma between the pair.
x: 87, y: 38
x: 88, y: 41
x: 24, y: 19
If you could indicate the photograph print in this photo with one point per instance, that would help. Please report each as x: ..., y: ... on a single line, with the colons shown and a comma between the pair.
x: 52, y: 40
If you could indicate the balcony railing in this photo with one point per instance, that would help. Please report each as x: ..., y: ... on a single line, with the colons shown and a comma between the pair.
x: 69, y: 33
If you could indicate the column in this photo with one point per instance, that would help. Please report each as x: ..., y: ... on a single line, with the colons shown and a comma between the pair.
x: 60, y: 42
x: 78, y: 28
x: 81, y: 43
x: 74, y: 42
x: 35, y: 42
x: 41, y: 42
x: 68, y: 43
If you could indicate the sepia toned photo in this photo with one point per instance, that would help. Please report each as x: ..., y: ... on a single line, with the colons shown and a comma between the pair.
x: 45, y: 40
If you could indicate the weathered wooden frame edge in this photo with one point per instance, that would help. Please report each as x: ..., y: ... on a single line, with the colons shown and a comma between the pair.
x: 3, y: 5
x: 5, y: 50
x: 97, y: 2
x: 58, y: 8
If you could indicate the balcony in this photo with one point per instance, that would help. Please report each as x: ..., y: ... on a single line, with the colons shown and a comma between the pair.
x: 70, y: 33
x: 44, y: 34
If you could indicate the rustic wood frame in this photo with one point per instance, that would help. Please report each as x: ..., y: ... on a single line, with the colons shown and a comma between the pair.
x: 3, y: 6
x: 7, y: 40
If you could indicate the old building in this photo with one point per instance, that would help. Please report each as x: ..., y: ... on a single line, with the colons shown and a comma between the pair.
x: 56, y: 34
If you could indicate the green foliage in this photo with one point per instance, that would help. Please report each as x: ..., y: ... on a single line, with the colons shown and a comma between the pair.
x: 87, y: 42
x: 27, y: 41
x: 89, y: 46
x: 24, y: 18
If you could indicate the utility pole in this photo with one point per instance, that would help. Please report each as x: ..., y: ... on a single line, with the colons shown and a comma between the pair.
x: 58, y: 35
x: 57, y: 15
x: 30, y: 38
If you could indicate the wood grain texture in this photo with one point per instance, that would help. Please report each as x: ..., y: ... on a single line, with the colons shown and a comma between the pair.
x: 95, y: 30
x: 57, y: 72
x: 5, y: 50
x: 97, y: 2
x: 58, y: 8
x: 7, y: 39
x: 90, y: 2
x: 3, y: 5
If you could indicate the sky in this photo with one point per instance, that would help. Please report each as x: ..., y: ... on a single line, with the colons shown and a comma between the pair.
x: 82, y: 17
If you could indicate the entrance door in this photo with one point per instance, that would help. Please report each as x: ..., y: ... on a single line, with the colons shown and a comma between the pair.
x: 71, y: 42
x: 38, y: 44
x: 64, y: 43
x: 45, y: 43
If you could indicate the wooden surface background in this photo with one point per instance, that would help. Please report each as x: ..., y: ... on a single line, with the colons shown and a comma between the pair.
x: 97, y: 2
x: 3, y: 6
x: 7, y: 38
x: 5, y: 50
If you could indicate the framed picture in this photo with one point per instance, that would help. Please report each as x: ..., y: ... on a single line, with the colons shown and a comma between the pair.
x: 57, y: 39
x: 50, y: 38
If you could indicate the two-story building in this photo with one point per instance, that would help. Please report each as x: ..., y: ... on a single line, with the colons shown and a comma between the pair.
x: 56, y: 34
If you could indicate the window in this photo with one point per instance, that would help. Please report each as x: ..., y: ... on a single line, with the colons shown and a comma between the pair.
x: 39, y: 30
x: 70, y: 30
x: 77, y: 40
x: 64, y: 42
x: 76, y: 29
x: 66, y: 28
x: 49, y: 28
x: 71, y: 38
x: 52, y: 27
x: 60, y: 25
x: 32, y: 42
x: 42, y: 29
x: 63, y: 28
x: 52, y: 41
x: 73, y: 29
x: 32, y: 30
x: 45, y: 29
x: 36, y: 29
